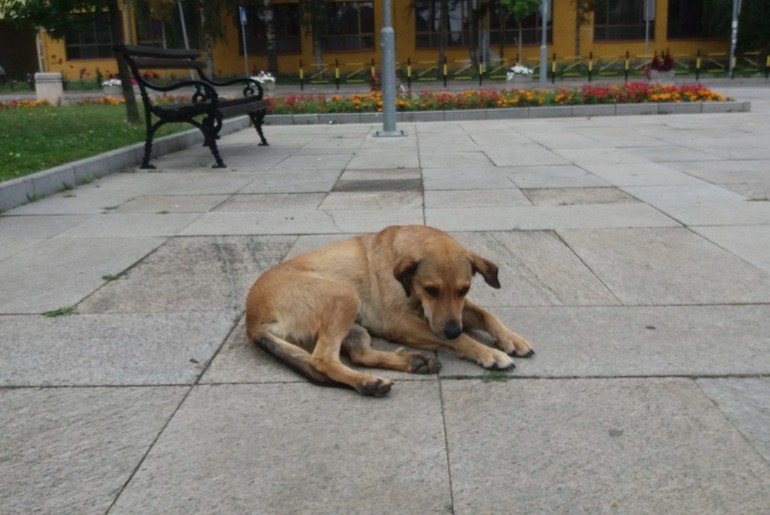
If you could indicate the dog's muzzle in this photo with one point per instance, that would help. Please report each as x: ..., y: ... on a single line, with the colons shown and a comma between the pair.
x: 452, y: 330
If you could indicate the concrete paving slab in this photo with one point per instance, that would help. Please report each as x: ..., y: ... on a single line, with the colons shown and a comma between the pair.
x: 61, y: 271
x: 446, y: 158
x: 191, y: 275
x: 475, y: 198
x: 71, y: 450
x: 131, y: 225
x: 651, y: 341
x: 460, y: 179
x: 316, y: 162
x: 576, y: 196
x: 160, y: 204
x: 751, y: 243
x: 745, y: 213
x: 536, y: 268
x: 293, y: 181
x: 622, y: 445
x: 41, y: 227
x: 640, y: 174
x: 667, y: 266
x: 547, y: 217
x: 87, y: 350
x: 310, y: 242
x: 396, y: 174
x: 312, y: 453
x: 746, y: 403
x: 683, y: 195
x: 366, y: 200
x: 568, y: 176
x: 525, y: 155
x: 246, y: 203
x: 384, y: 158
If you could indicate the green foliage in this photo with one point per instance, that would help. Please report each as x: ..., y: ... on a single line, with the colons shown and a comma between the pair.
x: 520, y: 9
x: 61, y: 312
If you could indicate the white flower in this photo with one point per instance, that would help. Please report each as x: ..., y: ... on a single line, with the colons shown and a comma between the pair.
x: 111, y: 83
x: 263, y: 77
x: 518, y: 69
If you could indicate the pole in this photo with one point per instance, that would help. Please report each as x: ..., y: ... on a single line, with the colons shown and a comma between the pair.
x: 184, y: 32
x: 544, y: 44
x: 388, y: 48
x: 734, y: 35
x: 244, y: 18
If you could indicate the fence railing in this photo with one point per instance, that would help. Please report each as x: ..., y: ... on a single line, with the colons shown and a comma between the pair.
x: 591, y: 67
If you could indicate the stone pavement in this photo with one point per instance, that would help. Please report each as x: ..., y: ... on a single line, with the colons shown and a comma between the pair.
x: 634, y: 254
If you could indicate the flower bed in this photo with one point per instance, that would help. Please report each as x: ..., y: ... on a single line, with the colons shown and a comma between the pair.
x: 633, y: 92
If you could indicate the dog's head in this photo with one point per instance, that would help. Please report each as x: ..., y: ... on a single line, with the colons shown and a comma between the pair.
x: 438, y: 274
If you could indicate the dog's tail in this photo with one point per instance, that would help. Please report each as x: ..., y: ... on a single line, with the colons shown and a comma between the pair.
x: 297, y: 358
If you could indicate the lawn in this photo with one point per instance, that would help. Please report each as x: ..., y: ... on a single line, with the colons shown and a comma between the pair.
x: 38, y: 136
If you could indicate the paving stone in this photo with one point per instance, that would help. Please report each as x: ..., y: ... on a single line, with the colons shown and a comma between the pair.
x: 525, y: 155
x: 751, y: 242
x: 683, y: 195
x: 131, y: 225
x: 720, y: 213
x: 651, y: 341
x: 547, y: 217
x: 475, y: 198
x: 337, y: 201
x: 37, y: 227
x: 72, y: 450
x: 461, y: 179
x: 622, y: 445
x: 554, y: 177
x: 640, y: 174
x: 135, y: 349
x: 348, y: 185
x: 667, y: 266
x: 306, y: 449
x: 377, y: 158
x: 746, y: 403
x: 189, y: 275
x: 293, y: 181
x: 171, y: 204
x: 61, y: 271
x: 270, y: 201
x: 536, y: 269
x: 576, y: 196
x: 430, y: 158
x: 380, y: 174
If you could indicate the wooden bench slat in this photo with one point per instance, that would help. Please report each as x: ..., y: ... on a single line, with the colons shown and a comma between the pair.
x: 168, y: 64
x: 147, y: 51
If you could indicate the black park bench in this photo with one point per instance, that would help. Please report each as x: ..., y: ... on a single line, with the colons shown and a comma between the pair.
x: 207, y: 108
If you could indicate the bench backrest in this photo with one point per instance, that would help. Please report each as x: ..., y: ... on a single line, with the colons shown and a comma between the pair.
x: 152, y: 58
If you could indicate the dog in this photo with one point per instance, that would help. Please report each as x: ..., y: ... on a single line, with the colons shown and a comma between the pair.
x: 407, y: 284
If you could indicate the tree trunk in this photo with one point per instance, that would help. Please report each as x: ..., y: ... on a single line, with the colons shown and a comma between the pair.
x: 272, y: 57
x: 520, y: 58
x: 116, y: 29
x: 442, y: 30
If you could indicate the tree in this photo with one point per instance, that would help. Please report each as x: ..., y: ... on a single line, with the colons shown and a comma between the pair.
x: 521, y: 10
x: 57, y: 17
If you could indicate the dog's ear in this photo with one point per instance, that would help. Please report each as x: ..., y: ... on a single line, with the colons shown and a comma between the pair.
x: 486, y: 268
x: 404, y: 272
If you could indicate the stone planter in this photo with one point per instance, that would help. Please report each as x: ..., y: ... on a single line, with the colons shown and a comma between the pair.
x: 112, y: 91
x: 665, y: 78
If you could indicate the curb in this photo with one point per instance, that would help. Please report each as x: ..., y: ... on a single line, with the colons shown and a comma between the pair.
x: 23, y: 190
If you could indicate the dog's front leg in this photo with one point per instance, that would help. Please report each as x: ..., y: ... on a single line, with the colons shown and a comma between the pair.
x: 414, y: 331
x: 476, y: 317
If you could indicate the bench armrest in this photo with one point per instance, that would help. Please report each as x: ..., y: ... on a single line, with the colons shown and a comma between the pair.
x: 248, y: 89
x: 203, y: 90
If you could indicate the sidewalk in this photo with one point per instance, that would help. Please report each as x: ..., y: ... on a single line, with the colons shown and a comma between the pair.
x: 634, y: 253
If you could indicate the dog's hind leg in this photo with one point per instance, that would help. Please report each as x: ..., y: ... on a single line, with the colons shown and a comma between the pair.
x: 358, y: 346
x: 297, y: 358
x: 339, y: 309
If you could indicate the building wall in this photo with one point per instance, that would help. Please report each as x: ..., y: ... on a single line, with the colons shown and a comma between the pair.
x: 228, y: 60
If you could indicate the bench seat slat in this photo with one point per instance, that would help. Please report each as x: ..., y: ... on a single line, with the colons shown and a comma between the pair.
x: 144, y: 63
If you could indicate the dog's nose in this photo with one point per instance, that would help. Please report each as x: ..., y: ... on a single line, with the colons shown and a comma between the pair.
x: 452, y: 330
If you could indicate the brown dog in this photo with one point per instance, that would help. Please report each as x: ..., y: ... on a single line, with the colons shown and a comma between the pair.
x: 407, y: 284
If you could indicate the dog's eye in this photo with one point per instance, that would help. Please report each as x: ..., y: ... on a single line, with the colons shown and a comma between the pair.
x: 464, y: 291
x: 432, y: 291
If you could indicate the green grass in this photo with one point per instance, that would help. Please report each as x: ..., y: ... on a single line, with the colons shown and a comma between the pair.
x: 38, y: 138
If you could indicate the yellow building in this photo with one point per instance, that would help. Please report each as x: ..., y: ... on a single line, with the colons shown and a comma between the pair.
x: 349, y: 36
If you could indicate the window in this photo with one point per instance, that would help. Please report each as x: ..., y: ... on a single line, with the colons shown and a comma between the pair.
x: 350, y: 26
x: 90, y: 37
x: 286, y: 24
x: 428, y: 23
x: 697, y: 19
x: 623, y: 19
x: 504, y: 30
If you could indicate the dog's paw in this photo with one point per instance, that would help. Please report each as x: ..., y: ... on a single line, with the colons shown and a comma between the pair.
x: 514, y: 345
x: 377, y: 388
x: 424, y: 364
x: 497, y: 361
